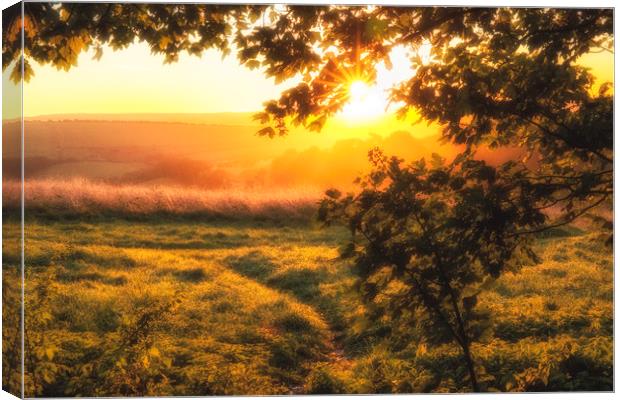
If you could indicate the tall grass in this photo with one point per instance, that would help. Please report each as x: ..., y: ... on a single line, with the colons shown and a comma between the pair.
x: 263, y: 309
x: 83, y: 197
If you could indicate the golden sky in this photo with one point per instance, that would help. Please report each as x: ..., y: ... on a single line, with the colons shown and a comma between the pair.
x: 135, y: 81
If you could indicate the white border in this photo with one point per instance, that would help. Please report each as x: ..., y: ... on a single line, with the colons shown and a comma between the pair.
x: 544, y: 3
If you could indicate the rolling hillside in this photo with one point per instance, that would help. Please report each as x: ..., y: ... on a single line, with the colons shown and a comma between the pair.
x: 205, y: 151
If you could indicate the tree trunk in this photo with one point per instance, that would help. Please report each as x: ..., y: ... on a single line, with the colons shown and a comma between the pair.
x: 470, y: 367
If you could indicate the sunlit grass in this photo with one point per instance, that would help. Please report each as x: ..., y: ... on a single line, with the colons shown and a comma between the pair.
x: 84, y: 197
x: 265, y: 308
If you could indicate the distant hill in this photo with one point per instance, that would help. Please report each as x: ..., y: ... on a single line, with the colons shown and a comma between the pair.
x: 206, y: 150
x: 229, y: 118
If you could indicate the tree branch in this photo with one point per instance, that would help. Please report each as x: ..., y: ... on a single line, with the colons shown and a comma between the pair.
x: 565, y: 222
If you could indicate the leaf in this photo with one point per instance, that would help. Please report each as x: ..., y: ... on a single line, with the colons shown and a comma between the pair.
x: 268, y: 131
x: 98, y: 53
x: 163, y: 42
x: 333, y: 193
x: 262, y: 117
x: 317, y: 124
x: 16, y: 73
x: 252, y: 64
x: 75, y: 44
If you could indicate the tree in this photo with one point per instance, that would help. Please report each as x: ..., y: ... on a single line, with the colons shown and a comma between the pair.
x: 433, y: 236
x: 497, y: 76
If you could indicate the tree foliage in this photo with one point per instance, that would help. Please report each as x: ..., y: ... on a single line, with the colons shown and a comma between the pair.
x: 433, y: 236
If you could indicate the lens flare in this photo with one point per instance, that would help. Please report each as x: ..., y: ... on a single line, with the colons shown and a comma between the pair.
x: 365, y: 102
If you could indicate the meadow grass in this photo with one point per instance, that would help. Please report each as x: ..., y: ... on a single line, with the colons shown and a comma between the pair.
x: 173, y: 307
x: 81, y: 197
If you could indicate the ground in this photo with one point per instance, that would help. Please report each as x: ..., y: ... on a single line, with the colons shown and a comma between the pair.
x: 167, y: 306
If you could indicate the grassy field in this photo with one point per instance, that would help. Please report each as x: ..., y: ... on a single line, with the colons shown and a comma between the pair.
x: 170, y: 306
x: 84, y: 199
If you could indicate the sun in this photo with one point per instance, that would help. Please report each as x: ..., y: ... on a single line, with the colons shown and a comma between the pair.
x: 365, y: 102
x: 370, y: 101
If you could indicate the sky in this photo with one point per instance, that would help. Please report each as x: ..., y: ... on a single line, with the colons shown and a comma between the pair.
x: 135, y: 81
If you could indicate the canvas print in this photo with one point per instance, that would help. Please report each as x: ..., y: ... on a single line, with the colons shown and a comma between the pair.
x: 231, y: 199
